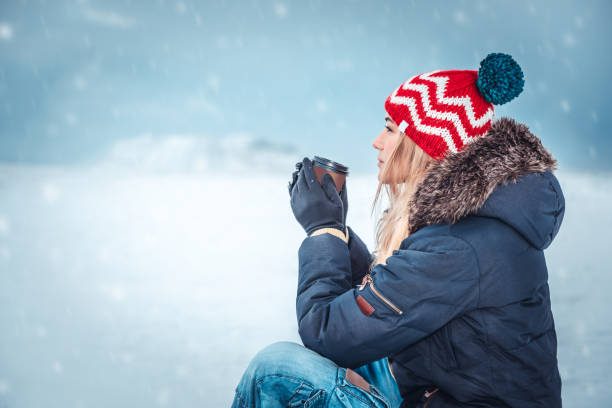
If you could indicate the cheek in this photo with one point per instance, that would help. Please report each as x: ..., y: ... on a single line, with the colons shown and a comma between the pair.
x: 389, y: 143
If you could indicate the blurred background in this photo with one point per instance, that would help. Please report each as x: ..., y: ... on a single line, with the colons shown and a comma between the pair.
x: 147, y: 245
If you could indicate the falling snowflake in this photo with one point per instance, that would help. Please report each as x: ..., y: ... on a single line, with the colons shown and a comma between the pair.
x: 4, y: 226
x: 586, y: 350
x: 321, y: 106
x: 6, y: 31
x: 163, y: 396
x: 4, y: 387
x: 280, y: 10
x: 71, y: 119
x: 579, y: 21
x: 565, y: 105
x: 50, y: 193
x: 569, y: 40
x: 5, y: 253
x: 460, y: 17
x: 181, y: 7
x: 213, y: 82
x: 58, y: 367
x: 117, y: 293
x: 79, y: 83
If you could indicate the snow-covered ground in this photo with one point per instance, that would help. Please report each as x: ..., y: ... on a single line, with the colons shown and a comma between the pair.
x: 136, y: 289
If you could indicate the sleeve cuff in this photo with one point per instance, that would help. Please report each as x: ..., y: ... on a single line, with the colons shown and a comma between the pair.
x: 335, y: 232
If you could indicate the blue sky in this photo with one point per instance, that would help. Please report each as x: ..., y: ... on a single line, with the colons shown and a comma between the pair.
x: 303, y: 77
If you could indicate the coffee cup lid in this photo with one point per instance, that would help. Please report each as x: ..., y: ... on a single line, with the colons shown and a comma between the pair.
x: 330, y: 165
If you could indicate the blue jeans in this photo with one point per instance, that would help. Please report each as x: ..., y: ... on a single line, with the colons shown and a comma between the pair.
x: 287, y: 374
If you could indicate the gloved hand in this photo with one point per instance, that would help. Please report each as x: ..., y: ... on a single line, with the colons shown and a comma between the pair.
x: 315, y: 205
x: 294, y: 176
x: 343, y: 194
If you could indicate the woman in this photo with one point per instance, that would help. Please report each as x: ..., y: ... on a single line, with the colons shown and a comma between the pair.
x: 453, y: 309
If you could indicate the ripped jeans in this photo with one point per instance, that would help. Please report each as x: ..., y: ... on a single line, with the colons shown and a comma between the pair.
x: 287, y: 374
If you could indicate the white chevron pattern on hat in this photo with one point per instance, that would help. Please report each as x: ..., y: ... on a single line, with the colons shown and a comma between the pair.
x: 450, y: 116
x: 410, y: 103
x: 440, y: 83
x: 466, y: 102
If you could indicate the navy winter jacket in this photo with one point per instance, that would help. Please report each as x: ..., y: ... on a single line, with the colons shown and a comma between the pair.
x: 463, y: 305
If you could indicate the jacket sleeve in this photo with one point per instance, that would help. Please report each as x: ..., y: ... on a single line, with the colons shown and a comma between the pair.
x: 419, y: 290
x: 361, y: 258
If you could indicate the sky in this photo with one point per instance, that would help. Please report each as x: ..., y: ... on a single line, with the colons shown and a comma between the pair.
x: 78, y: 79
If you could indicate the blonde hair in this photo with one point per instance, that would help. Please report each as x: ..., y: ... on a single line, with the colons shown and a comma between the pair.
x: 401, y: 174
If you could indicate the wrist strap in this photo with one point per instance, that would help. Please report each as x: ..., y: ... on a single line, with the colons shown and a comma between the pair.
x: 335, y: 232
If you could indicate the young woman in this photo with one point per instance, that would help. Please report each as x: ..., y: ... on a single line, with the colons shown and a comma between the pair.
x: 452, y: 309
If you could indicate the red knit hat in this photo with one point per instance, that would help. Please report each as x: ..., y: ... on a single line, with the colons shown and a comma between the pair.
x: 444, y: 111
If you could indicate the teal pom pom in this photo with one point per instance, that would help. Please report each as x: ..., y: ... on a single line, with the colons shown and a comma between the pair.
x: 500, y: 78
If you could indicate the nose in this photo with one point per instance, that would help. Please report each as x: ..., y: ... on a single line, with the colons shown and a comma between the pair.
x: 377, y: 143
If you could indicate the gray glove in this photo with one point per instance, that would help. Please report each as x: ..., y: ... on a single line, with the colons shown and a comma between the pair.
x: 316, y: 205
x: 343, y: 194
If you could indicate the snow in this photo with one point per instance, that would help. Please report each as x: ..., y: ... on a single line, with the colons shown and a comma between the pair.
x: 565, y: 105
x: 280, y: 9
x: 4, y: 226
x: 141, y: 288
x: 108, y: 18
x: 6, y: 31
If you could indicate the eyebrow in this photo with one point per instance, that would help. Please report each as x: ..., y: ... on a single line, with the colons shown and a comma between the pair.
x: 388, y: 118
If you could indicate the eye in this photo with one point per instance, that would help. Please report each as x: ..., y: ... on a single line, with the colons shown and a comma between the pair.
x: 388, y: 128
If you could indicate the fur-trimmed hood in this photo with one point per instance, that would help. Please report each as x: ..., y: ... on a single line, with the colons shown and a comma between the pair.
x: 506, y: 174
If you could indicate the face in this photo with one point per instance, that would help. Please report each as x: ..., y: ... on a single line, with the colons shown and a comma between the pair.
x: 385, y: 142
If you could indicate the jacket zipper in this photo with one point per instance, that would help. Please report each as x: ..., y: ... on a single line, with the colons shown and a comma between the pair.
x: 379, y: 295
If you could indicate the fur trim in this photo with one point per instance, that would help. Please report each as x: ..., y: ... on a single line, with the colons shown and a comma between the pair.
x: 459, y: 184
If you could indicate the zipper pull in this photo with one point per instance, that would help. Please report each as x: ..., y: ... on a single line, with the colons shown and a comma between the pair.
x: 366, y: 279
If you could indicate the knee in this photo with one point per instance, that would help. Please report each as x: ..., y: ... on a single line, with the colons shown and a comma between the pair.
x: 287, y: 358
x: 275, y: 355
x: 281, y: 347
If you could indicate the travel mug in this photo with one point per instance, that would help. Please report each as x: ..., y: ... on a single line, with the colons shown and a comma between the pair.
x: 337, y: 171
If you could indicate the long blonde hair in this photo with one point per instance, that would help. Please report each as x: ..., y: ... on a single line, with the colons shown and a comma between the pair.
x: 401, y: 174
